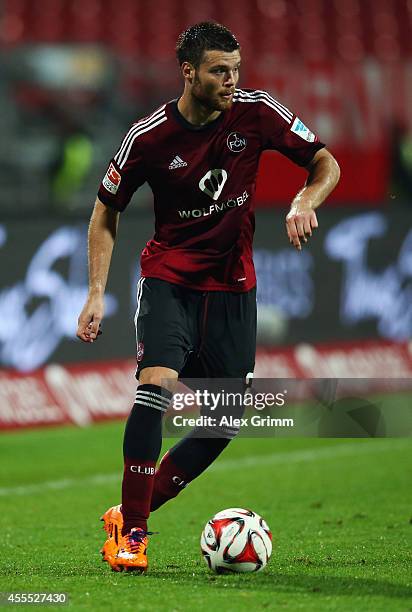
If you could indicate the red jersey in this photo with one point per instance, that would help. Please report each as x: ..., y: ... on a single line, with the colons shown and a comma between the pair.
x: 203, y: 181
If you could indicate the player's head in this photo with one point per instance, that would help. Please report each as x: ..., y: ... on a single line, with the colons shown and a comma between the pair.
x: 209, y: 57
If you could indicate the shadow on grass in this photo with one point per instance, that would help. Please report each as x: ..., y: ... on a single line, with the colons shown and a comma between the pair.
x: 291, y: 583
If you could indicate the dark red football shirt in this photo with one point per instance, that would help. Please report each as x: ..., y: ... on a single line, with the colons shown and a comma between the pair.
x: 203, y: 181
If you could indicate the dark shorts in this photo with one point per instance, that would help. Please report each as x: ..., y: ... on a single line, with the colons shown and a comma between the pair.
x: 199, y: 334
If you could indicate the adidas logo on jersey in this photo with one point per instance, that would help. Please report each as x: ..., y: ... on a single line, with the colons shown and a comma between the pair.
x: 177, y: 163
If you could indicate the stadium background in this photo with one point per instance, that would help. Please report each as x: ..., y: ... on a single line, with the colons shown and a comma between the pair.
x: 73, y: 75
x: 76, y: 74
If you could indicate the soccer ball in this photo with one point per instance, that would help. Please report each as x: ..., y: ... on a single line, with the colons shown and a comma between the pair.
x: 236, y: 540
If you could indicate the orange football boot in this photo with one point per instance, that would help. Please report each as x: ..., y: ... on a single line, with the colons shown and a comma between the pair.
x: 112, y: 524
x: 127, y: 552
x: 132, y: 552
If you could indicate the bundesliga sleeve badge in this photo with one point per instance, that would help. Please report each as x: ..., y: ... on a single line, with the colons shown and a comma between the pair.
x: 112, y: 179
x: 301, y: 130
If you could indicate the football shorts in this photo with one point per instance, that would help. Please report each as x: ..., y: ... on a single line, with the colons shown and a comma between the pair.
x: 199, y: 334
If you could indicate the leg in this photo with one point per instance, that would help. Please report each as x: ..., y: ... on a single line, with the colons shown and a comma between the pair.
x: 163, y: 342
x: 192, y: 455
x: 182, y: 464
x: 228, y: 351
x: 142, y: 444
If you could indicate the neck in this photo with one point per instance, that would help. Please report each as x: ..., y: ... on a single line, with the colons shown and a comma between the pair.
x: 194, y: 111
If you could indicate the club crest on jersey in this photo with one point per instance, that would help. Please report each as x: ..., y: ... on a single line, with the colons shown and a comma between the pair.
x: 301, y: 130
x: 213, y: 182
x: 236, y: 142
x: 140, y: 351
x: 112, y: 179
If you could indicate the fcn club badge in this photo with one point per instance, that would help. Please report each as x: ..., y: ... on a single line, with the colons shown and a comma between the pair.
x: 236, y: 142
x: 140, y: 351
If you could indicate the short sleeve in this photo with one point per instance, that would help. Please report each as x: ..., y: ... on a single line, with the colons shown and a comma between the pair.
x: 283, y: 131
x: 125, y: 174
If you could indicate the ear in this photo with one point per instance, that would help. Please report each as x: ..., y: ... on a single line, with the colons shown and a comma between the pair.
x: 188, y: 71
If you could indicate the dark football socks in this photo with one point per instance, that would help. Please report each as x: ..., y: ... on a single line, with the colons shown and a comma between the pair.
x: 182, y: 464
x: 141, y: 448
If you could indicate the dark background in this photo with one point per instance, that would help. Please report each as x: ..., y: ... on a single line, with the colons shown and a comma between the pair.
x: 363, y: 291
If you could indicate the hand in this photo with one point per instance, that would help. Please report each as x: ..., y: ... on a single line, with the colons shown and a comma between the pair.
x: 88, y: 328
x: 300, y: 221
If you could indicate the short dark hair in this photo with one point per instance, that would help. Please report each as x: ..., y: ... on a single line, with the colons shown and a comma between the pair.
x: 201, y: 37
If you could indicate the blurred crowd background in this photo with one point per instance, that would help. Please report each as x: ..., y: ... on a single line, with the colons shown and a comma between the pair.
x: 76, y: 73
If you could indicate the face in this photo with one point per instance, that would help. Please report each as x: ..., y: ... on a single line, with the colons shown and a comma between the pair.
x: 215, y: 79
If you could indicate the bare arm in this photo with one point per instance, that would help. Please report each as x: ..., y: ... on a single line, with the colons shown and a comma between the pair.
x: 102, y: 235
x: 323, y: 177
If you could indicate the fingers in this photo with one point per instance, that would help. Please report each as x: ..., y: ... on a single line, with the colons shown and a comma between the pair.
x: 90, y: 318
x: 88, y: 330
x: 93, y: 327
x: 293, y: 234
x: 306, y: 226
x: 93, y: 330
x: 299, y: 227
x: 314, y: 220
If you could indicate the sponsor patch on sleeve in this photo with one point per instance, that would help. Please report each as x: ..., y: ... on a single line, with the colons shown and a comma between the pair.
x: 112, y: 179
x: 301, y: 130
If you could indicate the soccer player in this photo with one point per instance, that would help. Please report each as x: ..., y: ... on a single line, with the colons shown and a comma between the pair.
x: 196, y: 298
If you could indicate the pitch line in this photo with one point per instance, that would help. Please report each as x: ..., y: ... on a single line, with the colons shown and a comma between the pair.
x: 283, y: 458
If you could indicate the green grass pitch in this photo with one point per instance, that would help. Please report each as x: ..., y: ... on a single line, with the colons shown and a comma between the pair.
x: 339, y: 511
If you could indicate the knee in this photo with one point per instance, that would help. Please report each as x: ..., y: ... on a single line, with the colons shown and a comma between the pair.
x: 159, y: 376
